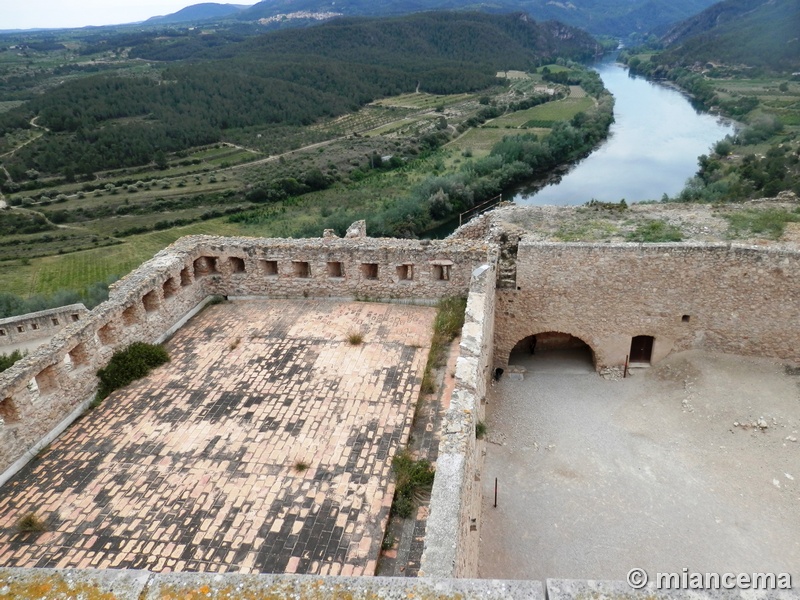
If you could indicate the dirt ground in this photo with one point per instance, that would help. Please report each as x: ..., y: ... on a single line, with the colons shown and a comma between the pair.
x: 667, y: 469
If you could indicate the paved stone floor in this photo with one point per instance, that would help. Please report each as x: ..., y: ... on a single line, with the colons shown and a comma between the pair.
x: 199, y: 467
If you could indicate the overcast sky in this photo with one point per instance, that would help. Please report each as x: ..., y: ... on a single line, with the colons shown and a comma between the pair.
x: 29, y: 14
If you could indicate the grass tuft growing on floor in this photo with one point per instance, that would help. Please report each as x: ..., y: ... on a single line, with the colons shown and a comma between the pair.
x: 446, y: 326
x: 412, y: 476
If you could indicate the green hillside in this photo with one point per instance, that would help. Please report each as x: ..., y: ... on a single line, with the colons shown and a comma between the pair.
x: 757, y: 33
x: 288, y: 78
x: 610, y: 17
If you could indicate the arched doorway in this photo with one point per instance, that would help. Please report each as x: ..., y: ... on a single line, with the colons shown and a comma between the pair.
x: 551, y: 350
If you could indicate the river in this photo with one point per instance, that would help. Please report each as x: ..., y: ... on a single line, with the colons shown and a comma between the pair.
x: 652, y: 148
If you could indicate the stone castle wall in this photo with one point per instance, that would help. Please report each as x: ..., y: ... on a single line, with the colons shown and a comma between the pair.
x: 44, y: 391
x: 38, y: 325
x: 728, y: 298
x: 722, y: 297
x: 453, y: 528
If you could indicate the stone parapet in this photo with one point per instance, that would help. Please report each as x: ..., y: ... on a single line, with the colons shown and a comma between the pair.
x: 25, y: 584
x: 453, y: 527
x: 50, y: 384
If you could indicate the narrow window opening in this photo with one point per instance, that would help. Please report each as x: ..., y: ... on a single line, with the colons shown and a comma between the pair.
x: 441, y: 272
x: 2, y: 332
x: 685, y: 318
x: 54, y: 321
x: 35, y: 326
x: 76, y: 317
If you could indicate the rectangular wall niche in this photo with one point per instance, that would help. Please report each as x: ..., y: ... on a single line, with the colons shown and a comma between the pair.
x: 170, y: 288
x: 129, y: 316
x: 335, y: 269
x: 405, y: 272
x: 8, y: 411
x: 150, y: 301
x: 47, y: 381
x: 237, y: 264
x: 79, y: 356
x: 301, y: 269
x: 441, y: 270
x: 270, y: 267
x: 186, y: 277
x: 205, y: 265
x: 369, y: 270
x: 106, y: 334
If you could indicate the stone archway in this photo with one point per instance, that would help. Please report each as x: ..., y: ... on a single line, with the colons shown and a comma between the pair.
x: 550, y: 346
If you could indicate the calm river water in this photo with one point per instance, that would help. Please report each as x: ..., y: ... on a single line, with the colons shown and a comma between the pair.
x: 652, y: 148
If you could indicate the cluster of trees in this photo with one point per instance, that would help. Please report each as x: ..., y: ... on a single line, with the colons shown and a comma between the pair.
x: 753, y: 176
x: 13, y: 222
x: 287, y: 78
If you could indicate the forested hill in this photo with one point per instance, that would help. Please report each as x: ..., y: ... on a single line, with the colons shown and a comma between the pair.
x: 762, y: 33
x: 286, y: 78
x: 612, y: 17
x: 197, y: 12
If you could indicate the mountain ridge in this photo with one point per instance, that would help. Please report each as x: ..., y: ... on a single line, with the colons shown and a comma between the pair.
x: 198, y: 12
x: 599, y: 17
x: 749, y: 32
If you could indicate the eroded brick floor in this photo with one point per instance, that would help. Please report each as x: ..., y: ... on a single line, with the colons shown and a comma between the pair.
x: 195, y: 468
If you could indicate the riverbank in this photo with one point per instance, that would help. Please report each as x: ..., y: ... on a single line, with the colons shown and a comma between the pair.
x: 651, y: 150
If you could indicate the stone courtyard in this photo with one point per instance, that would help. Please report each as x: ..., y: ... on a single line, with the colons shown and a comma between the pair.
x: 265, y: 445
x: 664, y: 470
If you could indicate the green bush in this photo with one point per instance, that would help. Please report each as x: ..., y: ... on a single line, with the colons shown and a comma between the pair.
x: 655, y: 231
x: 128, y: 365
x: 412, y: 476
x: 7, y: 360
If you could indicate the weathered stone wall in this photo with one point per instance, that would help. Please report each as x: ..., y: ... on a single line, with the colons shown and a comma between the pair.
x: 52, y: 384
x: 363, y: 268
x: 37, y: 325
x: 118, y: 584
x: 49, y: 385
x: 453, y: 527
x: 729, y: 298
